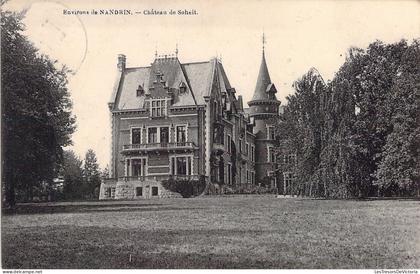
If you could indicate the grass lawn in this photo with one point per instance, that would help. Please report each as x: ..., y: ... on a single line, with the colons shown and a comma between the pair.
x: 214, y: 232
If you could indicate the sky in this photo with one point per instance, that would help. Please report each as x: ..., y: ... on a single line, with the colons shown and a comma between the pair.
x: 299, y: 35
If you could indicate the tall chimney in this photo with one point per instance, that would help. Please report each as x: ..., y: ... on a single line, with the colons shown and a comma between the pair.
x: 121, y: 62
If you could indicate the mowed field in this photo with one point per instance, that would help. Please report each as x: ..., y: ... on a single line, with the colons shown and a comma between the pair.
x: 214, y: 232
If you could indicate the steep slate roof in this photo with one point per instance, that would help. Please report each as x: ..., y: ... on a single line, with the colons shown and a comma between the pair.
x: 129, y: 82
x: 224, y: 83
x: 198, y: 78
x: 264, y: 89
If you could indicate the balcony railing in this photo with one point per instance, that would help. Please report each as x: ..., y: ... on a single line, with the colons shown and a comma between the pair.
x: 186, y: 177
x: 158, y: 177
x: 159, y: 146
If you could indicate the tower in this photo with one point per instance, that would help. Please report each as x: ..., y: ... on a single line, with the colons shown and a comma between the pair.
x: 264, y: 108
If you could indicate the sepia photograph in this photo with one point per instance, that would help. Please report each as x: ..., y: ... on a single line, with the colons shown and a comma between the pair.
x: 251, y: 135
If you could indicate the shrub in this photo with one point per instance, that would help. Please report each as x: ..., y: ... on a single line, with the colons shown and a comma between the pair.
x: 186, y: 187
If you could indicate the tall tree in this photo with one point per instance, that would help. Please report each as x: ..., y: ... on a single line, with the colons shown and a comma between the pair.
x: 91, y: 173
x: 398, y: 172
x: 300, y: 128
x: 370, y: 78
x: 360, y: 132
x: 37, y: 120
x: 72, y: 173
x: 336, y: 168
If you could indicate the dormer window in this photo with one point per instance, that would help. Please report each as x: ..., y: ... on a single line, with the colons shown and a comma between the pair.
x: 159, y: 76
x: 182, y: 87
x: 140, y: 91
x: 271, y: 88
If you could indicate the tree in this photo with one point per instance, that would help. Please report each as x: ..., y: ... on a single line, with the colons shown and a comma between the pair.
x: 337, y: 169
x: 370, y: 77
x: 105, y: 172
x: 37, y: 120
x: 72, y: 173
x: 187, y: 187
x: 91, y: 173
x: 360, y: 133
x: 300, y: 129
x: 398, y: 171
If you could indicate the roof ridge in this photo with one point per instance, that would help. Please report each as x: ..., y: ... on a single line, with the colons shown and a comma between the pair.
x: 132, y: 68
x: 193, y: 63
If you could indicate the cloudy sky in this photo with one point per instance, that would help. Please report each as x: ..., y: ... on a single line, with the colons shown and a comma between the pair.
x: 300, y: 35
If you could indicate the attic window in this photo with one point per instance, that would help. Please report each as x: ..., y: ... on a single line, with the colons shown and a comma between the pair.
x: 159, y: 76
x: 271, y: 88
x: 140, y: 90
x: 182, y: 87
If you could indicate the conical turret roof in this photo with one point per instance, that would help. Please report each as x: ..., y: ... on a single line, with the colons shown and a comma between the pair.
x: 265, y: 89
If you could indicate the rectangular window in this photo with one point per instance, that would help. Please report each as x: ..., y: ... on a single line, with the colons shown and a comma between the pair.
x: 181, y: 166
x: 246, y: 149
x: 152, y: 135
x: 240, y: 145
x: 271, y: 133
x: 181, y: 134
x: 158, y: 108
x: 247, y: 176
x: 112, y: 192
x: 229, y: 173
x: 288, y: 180
x: 164, y: 135
x: 253, y: 153
x: 139, y: 191
x: 144, y: 164
x: 137, y: 167
x: 271, y: 155
x: 155, y: 191
x: 135, y: 136
x: 229, y: 144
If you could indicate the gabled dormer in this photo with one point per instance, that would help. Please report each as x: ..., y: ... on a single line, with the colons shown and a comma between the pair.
x: 182, y: 87
x: 140, y: 91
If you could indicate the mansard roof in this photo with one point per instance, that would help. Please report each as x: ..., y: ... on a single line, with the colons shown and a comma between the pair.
x: 197, y: 77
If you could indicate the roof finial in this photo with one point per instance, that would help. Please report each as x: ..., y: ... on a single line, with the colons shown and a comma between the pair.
x: 263, y: 41
x: 176, y: 50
